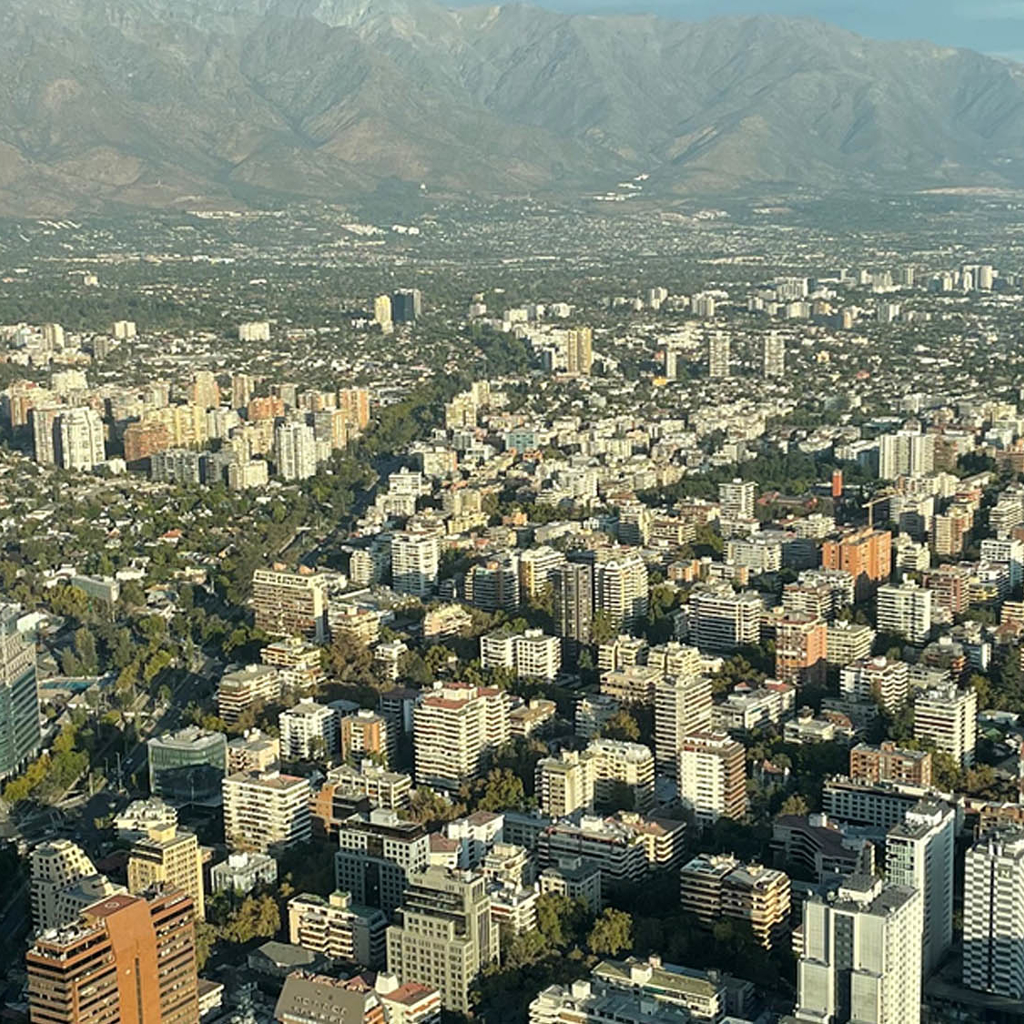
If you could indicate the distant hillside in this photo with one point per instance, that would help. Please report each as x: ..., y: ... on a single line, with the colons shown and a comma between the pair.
x: 172, y: 102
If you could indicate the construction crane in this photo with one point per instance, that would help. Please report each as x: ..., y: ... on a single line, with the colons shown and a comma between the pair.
x: 870, y: 506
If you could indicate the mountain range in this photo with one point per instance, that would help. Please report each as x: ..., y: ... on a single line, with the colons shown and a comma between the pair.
x: 164, y: 103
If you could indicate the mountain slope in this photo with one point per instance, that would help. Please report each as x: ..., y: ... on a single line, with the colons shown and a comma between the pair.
x: 159, y: 102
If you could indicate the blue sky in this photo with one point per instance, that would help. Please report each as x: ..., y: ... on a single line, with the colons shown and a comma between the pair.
x: 992, y: 26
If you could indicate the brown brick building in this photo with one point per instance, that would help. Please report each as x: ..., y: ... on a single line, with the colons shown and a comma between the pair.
x: 128, y: 960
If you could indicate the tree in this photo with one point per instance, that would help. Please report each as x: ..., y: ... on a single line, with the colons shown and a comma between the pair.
x: 612, y: 932
x: 795, y: 803
x: 621, y: 726
x: 501, y: 790
x: 429, y: 809
x: 945, y: 771
x: 560, y: 920
x: 602, y: 627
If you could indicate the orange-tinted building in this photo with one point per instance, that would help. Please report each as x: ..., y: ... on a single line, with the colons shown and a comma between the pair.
x: 268, y: 407
x: 889, y: 763
x: 949, y: 586
x: 801, y: 650
x: 128, y: 960
x: 865, y: 554
x: 141, y: 440
x: 364, y: 734
x: 354, y: 403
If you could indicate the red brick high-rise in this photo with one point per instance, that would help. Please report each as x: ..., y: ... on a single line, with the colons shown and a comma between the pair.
x: 128, y: 960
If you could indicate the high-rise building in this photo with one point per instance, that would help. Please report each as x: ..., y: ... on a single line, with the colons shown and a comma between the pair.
x: 129, y: 960
x: 722, y: 620
x: 266, y: 812
x: 78, y: 434
x: 718, y: 355
x: 618, y: 763
x: 254, y: 330
x: 55, y: 867
x: 246, y: 687
x: 994, y: 914
x: 889, y: 763
x: 682, y: 706
x: 42, y: 420
x: 406, y: 305
x: 537, y: 568
x: 290, y: 604
x: 377, y: 852
x: 713, y: 887
x: 877, y: 679
x: 365, y: 735
x: 203, y: 390
x: 168, y: 858
x: 187, y: 766
x: 712, y: 776
x: 415, y: 559
x: 574, y: 605
x: 565, y: 783
x: 454, y: 728
x: 621, y: 590
x: 295, y: 450
x: 948, y: 717
x: 861, y: 961
x: 848, y: 641
x: 309, y: 732
x: 774, y: 355
x: 579, y: 354
x: 493, y: 585
x: 53, y: 337
x: 242, y: 387
x: 905, y: 453
x: 443, y: 935
x: 865, y: 554
x: 382, y: 312
x: 801, y: 650
x: 19, y: 693
x: 919, y: 855
x: 737, y: 499
x: 354, y: 404
x: 338, y: 928
x: 906, y: 611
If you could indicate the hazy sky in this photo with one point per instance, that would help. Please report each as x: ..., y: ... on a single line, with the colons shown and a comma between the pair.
x: 992, y: 26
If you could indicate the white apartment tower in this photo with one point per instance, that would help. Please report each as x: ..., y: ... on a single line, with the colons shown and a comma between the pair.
x: 415, y: 558
x: 737, y: 498
x: 682, y: 705
x: 453, y: 728
x: 948, y: 717
x: 994, y: 914
x: 309, y: 732
x: 621, y: 589
x: 295, y: 450
x: 861, y: 961
x: 919, y: 854
x: 266, y: 812
x: 908, y: 452
x: 774, y: 355
x: 905, y: 610
x: 718, y: 355
x: 79, y: 439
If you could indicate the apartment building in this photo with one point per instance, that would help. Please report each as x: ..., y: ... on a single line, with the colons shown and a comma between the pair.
x: 454, y: 727
x: 266, y: 812
x: 716, y: 886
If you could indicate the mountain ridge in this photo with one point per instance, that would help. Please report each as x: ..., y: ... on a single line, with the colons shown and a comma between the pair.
x: 170, y: 102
